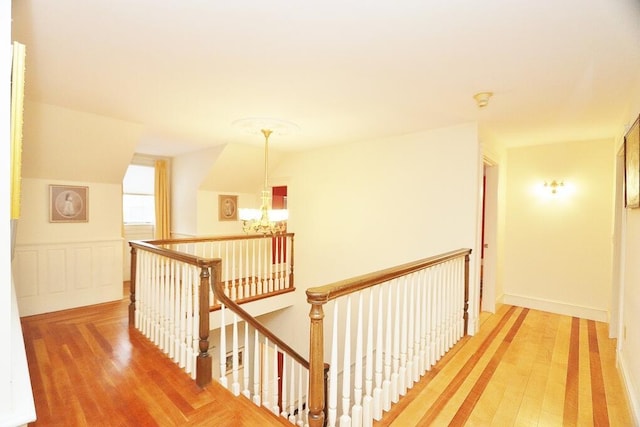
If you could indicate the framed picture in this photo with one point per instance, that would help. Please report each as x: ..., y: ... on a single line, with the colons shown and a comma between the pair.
x: 227, y: 208
x: 632, y: 166
x: 229, y: 360
x: 68, y: 203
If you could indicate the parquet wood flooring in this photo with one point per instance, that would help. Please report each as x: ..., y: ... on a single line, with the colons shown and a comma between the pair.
x: 88, y: 368
x: 524, y: 368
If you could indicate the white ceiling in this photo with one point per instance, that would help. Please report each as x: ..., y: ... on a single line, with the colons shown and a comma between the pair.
x: 341, y: 70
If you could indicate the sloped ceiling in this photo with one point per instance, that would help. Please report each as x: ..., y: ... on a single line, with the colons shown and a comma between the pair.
x: 342, y: 70
x: 239, y: 169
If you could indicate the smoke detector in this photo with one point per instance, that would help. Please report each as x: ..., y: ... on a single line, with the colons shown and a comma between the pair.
x: 482, y: 98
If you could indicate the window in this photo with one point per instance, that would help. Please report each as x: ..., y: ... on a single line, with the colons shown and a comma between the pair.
x: 138, y: 202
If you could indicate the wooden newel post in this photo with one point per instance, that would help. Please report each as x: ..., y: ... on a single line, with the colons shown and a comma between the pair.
x: 317, y: 377
x: 466, y: 294
x: 132, y: 287
x: 203, y: 363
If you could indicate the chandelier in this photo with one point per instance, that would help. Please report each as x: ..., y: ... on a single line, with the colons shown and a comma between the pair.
x: 264, y: 220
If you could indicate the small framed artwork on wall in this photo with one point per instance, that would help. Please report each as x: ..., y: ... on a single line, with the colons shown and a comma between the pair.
x: 68, y: 203
x: 632, y: 166
x: 227, y: 208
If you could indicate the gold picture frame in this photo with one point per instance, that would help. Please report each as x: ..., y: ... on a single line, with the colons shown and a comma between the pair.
x: 68, y: 203
x: 227, y: 207
x: 632, y: 166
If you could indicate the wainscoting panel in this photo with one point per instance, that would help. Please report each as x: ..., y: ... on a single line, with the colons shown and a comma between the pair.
x: 52, y: 277
x: 27, y: 265
x: 56, y: 279
x: 81, y: 276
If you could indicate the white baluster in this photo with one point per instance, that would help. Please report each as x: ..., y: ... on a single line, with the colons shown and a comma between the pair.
x: 460, y: 297
x: 411, y: 332
x: 402, y: 371
x: 245, y: 362
x: 261, y: 278
x: 254, y: 274
x: 422, y: 298
x: 235, y: 385
x: 377, y: 391
x: 452, y: 304
x: 223, y: 348
x: 235, y: 283
x: 386, y: 384
x: 333, y: 371
x: 171, y: 306
x: 275, y: 409
x: 306, y: 410
x: 395, y: 356
x: 431, y: 329
x: 442, y: 312
x: 183, y: 315
x: 189, y: 324
x: 256, y: 369
x: 195, y: 340
x: 300, y: 420
x: 345, y: 419
x: 285, y: 378
x: 292, y: 392
x: 367, y: 402
x: 266, y: 379
x: 270, y: 263
x: 247, y: 284
x: 356, y: 410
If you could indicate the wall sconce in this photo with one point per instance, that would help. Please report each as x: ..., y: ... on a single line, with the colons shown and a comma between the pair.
x: 554, y: 186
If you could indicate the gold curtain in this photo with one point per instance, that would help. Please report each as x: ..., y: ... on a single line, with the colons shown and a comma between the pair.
x: 163, y: 201
x: 17, y: 105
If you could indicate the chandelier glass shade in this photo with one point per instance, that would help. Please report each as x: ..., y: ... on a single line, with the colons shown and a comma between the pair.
x: 264, y: 220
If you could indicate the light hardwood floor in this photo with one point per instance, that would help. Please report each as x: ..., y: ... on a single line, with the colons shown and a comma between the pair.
x: 524, y: 368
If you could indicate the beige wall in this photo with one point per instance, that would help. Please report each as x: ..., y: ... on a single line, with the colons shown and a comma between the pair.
x: 188, y: 173
x: 65, y: 265
x: 557, y: 254
x: 6, y: 387
x: 365, y: 206
x: 629, y: 341
x: 72, y: 145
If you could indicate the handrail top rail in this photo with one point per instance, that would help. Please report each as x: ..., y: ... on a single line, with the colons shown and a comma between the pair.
x: 215, y: 238
x: 323, y: 294
x: 149, y: 246
x: 233, y: 306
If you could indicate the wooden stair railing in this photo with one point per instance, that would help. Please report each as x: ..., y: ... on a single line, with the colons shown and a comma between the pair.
x: 283, y: 373
x: 199, y: 314
x: 429, y: 314
x: 179, y: 291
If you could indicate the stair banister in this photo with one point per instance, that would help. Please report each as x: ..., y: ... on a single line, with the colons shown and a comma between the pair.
x: 218, y: 290
x: 317, y: 297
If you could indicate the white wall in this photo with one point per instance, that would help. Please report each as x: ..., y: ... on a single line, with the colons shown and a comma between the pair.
x: 629, y: 344
x: 418, y: 193
x: 188, y: 172
x: 60, y: 143
x: 65, y: 265
x: 5, y: 233
x: 207, y: 223
x: 558, y: 249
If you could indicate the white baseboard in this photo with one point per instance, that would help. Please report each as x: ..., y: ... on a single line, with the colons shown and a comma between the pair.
x: 557, y: 307
x: 632, y: 394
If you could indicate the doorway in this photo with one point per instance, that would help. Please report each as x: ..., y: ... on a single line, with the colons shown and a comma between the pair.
x: 488, y: 251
